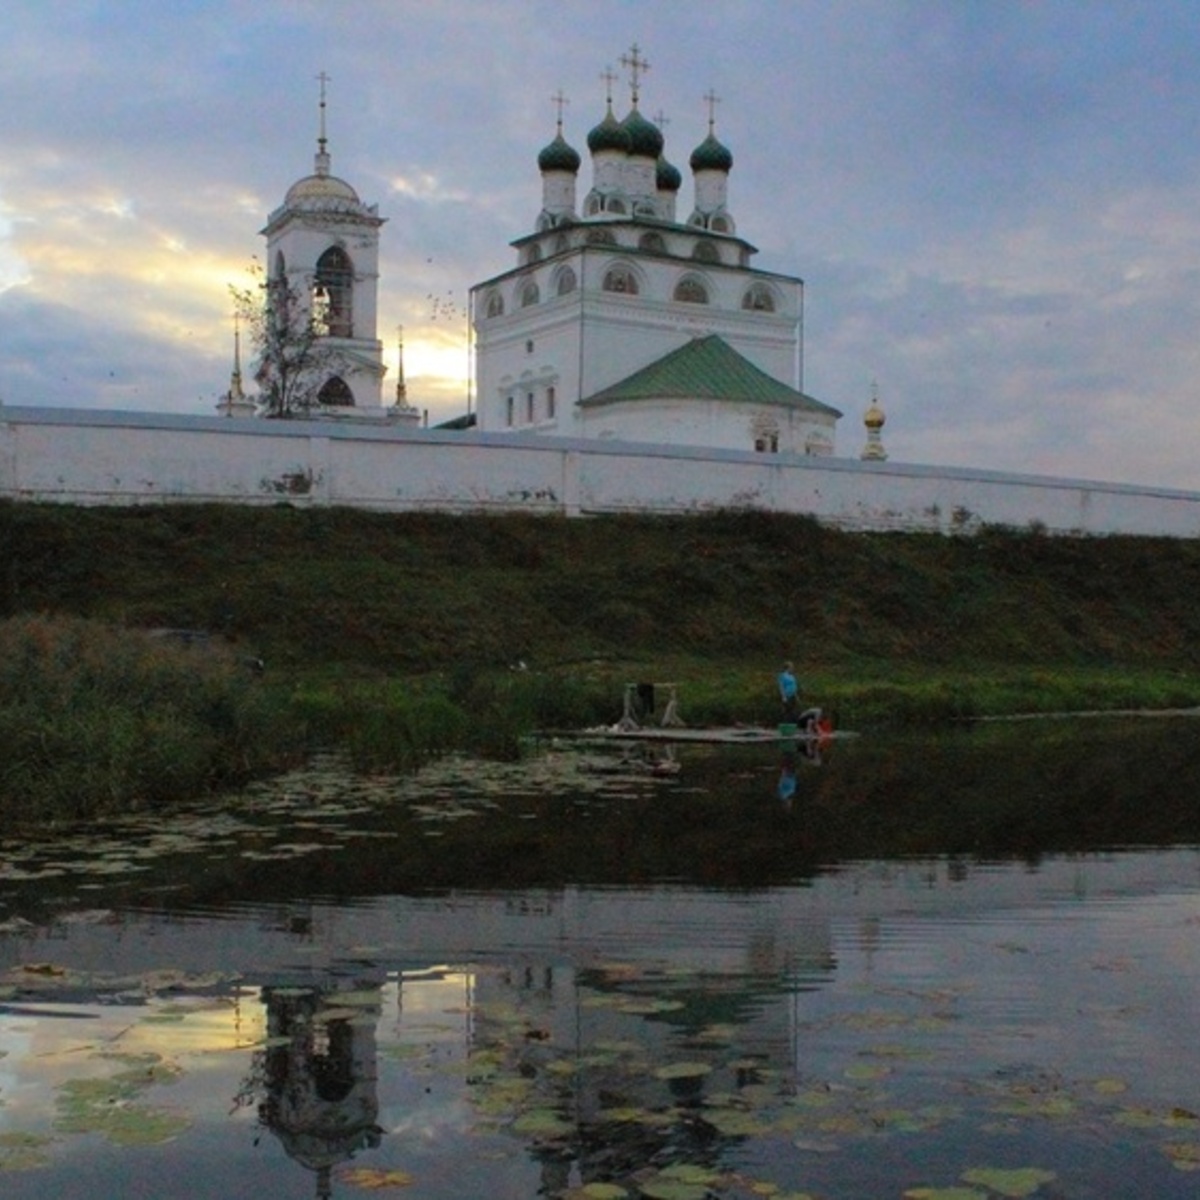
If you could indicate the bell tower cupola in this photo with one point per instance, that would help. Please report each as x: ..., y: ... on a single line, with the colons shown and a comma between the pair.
x: 323, y: 250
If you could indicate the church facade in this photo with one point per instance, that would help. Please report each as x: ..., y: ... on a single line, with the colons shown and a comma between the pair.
x: 623, y: 319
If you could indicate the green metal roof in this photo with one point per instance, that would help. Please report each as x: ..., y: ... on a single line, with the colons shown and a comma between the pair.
x: 707, y: 368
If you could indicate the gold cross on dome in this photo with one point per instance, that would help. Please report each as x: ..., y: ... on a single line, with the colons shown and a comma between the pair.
x: 712, y: 100
x: 323, y: 79
x: 636, y: 64
x: 610, y: 77
x: 560, y: 102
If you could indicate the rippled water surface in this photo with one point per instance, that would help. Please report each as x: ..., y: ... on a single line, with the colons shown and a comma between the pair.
x: 931, y: 968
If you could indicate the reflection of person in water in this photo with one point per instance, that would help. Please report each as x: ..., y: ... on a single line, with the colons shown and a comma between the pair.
x: 811, y: 750
x: 787, y: 778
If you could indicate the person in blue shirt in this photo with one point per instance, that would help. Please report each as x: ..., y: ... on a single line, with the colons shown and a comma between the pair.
x: 789, y: 696
x: 789, y: 693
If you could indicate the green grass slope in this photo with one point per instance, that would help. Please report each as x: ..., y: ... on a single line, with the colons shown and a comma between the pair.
x: 421, y: 592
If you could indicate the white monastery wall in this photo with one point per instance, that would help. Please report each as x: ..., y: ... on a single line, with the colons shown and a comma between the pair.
x: 88, y: 457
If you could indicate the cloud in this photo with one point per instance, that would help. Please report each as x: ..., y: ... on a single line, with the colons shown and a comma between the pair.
x: 994, y: 207
x: 98, y: 364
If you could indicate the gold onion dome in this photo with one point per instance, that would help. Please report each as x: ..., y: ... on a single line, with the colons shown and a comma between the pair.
x: 874, y: 418
x: 321, y: 187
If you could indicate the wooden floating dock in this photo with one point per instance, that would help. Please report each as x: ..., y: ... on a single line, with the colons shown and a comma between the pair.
x: 722, y: 735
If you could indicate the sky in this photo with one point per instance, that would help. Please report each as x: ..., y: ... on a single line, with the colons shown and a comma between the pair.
x: 994, y: 204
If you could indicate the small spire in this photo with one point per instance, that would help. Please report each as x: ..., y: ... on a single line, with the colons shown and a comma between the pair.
x: 235, y: 379
x: 636, y: 64
x: 322, y: 158
x: 401, y: 386
x: 235, y: 402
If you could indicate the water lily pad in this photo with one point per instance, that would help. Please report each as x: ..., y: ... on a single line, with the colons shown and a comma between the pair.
x: 1023, y: 1181
x: 690, y: 1173
x: 662, y: 1188
x: 950, y: 1193
x: 542, y: 1122
x: 1184, y: 1156
x: 23, y: 1151
x: 733, y: 1122
x: 649, y: 1006
x: 867, y: 1071
x: 683, y: 1070
x: 372, y: 1179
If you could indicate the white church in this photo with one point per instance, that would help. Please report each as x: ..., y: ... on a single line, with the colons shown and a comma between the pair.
x: 633, y: 360
x: 623, y: 319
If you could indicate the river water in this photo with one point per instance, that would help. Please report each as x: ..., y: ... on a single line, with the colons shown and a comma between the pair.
x: 936, y: 967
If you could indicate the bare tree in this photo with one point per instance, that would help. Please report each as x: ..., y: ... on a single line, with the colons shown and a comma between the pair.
x: 287, y: 330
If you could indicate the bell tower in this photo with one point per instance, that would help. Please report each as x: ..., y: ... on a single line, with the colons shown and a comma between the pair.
x: 323, y: 248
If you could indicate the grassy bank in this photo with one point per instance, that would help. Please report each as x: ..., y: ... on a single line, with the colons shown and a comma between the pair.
x: 402, y: 635
x: 95, y: 719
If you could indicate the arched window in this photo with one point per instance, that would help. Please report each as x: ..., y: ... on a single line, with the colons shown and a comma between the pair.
x: 533, y: 253
x: 551, y: 403
x: 335, y: 393
x: 620, y: 279
x: 613, y: 205
x: 719, y: 225
x: 530, y: 294
x: 691, y: 291
x: 561, y: 243
x: 495, y: 305
x: 601, y: 237
x: 758, y: 298
x: 333, y: 293
x: 652, y: 243
x: 566, y: 281
x: 706, y: 252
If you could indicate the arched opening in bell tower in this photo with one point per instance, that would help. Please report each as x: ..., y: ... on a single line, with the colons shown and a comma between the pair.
x: 333, y: 293
x: 335, y: 393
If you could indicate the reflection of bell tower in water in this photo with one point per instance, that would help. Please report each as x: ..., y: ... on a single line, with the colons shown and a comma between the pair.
x: 323, y: 241
x: 321, y: 1100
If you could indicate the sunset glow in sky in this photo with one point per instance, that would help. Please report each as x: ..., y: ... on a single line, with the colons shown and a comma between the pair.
x: 995, y: 204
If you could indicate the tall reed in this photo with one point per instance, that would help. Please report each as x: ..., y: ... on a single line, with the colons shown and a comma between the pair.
x: 96, y: 719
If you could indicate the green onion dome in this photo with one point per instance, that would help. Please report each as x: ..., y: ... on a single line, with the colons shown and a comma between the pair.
x: 645, y: 138
x: 667, y: 176
x: 559, y: 156
x: 710, y: 155
x: 610, y: 134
